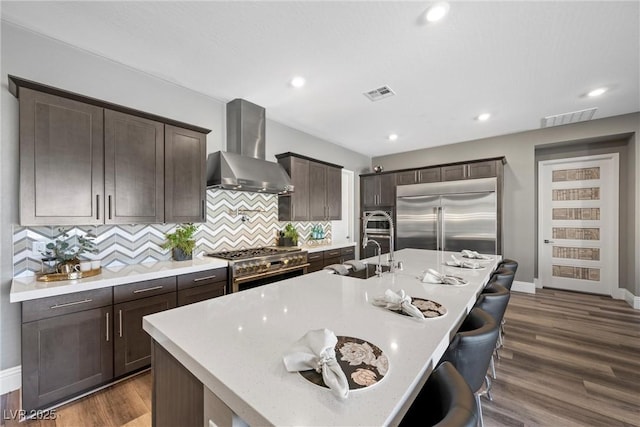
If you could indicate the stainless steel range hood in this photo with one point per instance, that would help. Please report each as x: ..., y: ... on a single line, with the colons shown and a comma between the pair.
x: 243, y: 166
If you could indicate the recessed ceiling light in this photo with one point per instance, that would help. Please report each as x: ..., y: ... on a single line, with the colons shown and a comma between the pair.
x: 392, y: 137
x: 597, y: 92
x: 483, y: 117
x: 298, y: 82
x: 437, y: 11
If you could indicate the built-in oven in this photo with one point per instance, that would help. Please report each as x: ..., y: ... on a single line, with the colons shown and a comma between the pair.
x: 377, y: 224
x: 249, y: 268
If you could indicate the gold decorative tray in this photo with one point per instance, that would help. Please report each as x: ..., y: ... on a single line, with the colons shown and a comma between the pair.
x: 74, y: 275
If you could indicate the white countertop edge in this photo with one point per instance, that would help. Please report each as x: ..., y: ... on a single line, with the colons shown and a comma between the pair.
x: 235, y: 403
x: 320, y: 248
x: 28, y: 288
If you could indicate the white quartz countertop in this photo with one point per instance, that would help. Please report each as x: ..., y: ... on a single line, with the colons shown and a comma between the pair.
x: 320, y: 248
x: 28, y: 288
x: 237, y: 347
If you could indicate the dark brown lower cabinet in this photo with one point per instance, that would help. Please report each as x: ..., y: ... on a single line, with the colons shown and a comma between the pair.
x: 65, y: 355
x: 132, y: 345
x: 201, y: 293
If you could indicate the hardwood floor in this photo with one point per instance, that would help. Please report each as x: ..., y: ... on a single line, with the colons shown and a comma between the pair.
x: 569, y: 360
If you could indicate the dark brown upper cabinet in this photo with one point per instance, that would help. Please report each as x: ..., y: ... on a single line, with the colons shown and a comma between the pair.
x: 185, y: 175
x: 61, y: 161
x: 418, y: 176
x: 84, y: 161
x: 134, y: 169
x: 318, y: 190
x: 295, y: 206
x: 485, y: 169
x: 378, y: 190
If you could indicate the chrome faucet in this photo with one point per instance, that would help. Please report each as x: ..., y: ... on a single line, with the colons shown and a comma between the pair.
x: 365, y: 239
x: 365, y: 242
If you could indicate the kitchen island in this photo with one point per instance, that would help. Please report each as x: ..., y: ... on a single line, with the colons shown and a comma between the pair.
x: 226, y: 353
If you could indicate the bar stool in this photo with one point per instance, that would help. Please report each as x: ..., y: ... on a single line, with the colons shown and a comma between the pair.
x: 503, y: 277
x: 494, y: 300
x: 471, y: 350
x: 509, y: 264
x: 445, y: 401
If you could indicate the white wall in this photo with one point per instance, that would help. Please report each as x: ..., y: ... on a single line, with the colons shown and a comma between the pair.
x: 44, y: 60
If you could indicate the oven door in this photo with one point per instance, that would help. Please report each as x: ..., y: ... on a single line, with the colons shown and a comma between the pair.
x: 259, y: 279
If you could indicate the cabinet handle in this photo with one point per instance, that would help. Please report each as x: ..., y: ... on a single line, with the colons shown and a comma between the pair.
x: 137, y: 291
x: 97, y: 206
x: 109, y: 199
x: 204, y: 278
x: 120, y: 323
x: 68, y: 304
x: 107, y: 333
x: 203, y: 214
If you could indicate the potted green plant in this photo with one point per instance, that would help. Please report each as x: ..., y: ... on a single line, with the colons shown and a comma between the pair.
x: 288, y: 236
x: 64, y: 252
x: 181, y: 242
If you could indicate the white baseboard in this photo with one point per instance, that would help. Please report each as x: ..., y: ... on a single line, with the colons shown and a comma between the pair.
x: 630, y: 298
x: 537, y: 283
x: 10, y: 379
x: 525, y: 287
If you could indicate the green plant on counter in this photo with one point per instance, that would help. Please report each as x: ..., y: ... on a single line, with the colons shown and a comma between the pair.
x: 63, y: 252
x: 290, y: 232
x: 182, y: 240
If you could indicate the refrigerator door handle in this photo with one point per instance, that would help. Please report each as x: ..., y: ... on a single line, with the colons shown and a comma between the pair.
x: 444, y: 242
x: 438, y: 224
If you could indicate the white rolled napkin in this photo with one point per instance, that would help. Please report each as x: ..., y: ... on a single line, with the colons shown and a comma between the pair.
x: 455, y: 262
x: 316, y: 350
x: 473, y: 255
x: 432, y: 276
x: 399, y: 302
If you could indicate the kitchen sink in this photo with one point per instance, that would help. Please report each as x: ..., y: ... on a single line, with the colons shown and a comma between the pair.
x: 365, y: 273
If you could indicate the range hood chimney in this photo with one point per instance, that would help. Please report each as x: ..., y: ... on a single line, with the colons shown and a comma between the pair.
x: 243, y: 166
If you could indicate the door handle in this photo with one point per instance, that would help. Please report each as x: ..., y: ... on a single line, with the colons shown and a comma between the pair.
x: 97, y: 206
x: 120, y: 323
x: 109, y: 200
x: 107, y: 334
x: 548, y: 241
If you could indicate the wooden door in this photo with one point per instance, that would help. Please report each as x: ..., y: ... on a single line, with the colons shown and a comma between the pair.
x: 578, y: 224
x: 317, y: 191
x: 185, y: 175
x: 61, y: 161
x: 334, y: 193
x: 481, y: 169
x: 454, y: 173
x: 387, y: 195
x: 134, y: 169
x: 132, y: 347
x: 300, y: 198
x: 406, y: 177
x: 429, y: 175
x: 64, y: 355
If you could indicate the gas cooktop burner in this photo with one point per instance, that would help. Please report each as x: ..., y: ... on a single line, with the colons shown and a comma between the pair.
x: 250, y: 253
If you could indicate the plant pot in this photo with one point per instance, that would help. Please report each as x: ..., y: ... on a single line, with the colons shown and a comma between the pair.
x: 285, y: 241
x: 179, y: 255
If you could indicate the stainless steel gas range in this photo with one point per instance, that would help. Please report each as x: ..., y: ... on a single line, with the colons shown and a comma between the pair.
x: 249, y: 268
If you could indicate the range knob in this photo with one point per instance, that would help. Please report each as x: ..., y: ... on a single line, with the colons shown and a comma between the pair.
x: 285, y: 261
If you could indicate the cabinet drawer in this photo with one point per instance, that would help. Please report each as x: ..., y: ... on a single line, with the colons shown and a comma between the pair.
x: 64, y: 304
x: 315, y: 256
x: 332, y: 260
x: 347, y: 250
x: 144, y: 289
x: 200, y: 278
x: 201, y: 293
x: 347, y: 257
x: 315, y: 266
x: 331, y: 253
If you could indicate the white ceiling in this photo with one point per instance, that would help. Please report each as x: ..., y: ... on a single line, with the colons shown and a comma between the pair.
x: 520, y: 61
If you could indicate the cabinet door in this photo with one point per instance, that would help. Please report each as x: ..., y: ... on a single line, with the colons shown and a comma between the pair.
x: 132, y: 347
x: 185, y: 175
x: 134, y: 169
x: 300, y: 197
x: 406, y: 178
x: 317, y: 191
x: 61, y: 161
x: 454, y: 173
x: 429, y: 175
x: 370, y: 188
x: 65, y: 355
x: 387, y: 190
x: 201, y: 293
x: 334, y: 193
x: 482, y: 169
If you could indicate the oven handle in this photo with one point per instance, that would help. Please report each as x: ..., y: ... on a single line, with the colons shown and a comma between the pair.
x: 271, y: 273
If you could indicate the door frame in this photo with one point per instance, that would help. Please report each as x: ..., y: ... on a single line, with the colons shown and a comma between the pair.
x: 613, y: 277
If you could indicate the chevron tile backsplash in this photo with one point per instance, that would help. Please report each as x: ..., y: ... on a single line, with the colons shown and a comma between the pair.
x: 235, y: 220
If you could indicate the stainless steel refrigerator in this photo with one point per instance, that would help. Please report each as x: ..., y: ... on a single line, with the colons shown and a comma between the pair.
x: 451, y: 216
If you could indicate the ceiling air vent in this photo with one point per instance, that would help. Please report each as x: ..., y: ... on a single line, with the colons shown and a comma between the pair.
x: 380, y: 93
x: 567, y: 118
